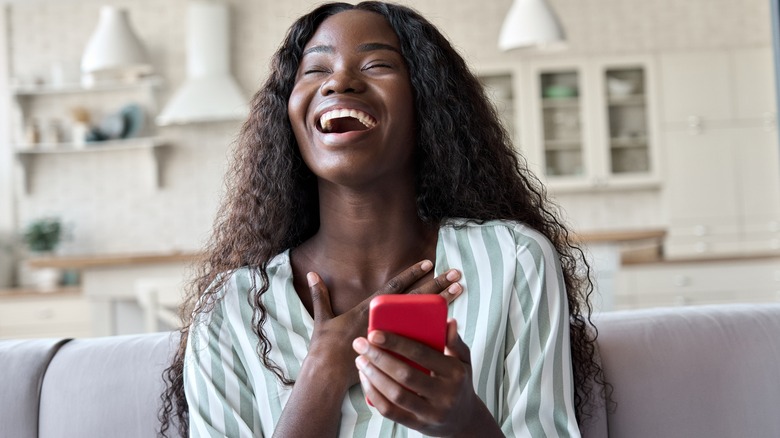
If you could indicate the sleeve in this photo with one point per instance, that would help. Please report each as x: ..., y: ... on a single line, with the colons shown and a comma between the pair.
x: 216, y: 384
x: 538, y: 383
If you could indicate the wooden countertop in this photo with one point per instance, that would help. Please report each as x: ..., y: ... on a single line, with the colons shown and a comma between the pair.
x: 112, y: 260
x: 26, y: 292
x: 620, y: 236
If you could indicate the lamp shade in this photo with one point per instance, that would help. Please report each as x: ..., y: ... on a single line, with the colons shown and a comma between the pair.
x: 114, y: 46
x: 530, y: 23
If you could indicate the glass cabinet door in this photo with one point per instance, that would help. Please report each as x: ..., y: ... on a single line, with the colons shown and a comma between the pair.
x: 627, y: 120
x: 562, y: 124
x: 498, y: 88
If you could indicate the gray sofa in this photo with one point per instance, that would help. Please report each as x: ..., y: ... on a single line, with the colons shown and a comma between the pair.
x: 710, y: 371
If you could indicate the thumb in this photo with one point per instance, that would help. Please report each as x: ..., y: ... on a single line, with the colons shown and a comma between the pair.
x: 455, y: 346
x: 320, y: 298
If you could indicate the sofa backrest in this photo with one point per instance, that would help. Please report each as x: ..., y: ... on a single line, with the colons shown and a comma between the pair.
x: 106, y: 387
x: 22, y: 366
x: 708, y: 371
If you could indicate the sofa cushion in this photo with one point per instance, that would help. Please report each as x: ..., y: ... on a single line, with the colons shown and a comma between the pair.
x: 709, y: 371
x: 106, y: 387
x: 22, y: 367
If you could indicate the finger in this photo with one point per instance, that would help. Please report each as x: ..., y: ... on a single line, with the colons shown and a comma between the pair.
x: 391, y: 358
x: 390, y: 398
x: 455, y: 346
x: 408, y: 277
x: 444, y: 285
x: 320, y: 297
x: 384, y: 406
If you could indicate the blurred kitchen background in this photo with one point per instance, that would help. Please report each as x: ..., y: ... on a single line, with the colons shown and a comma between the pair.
x: 654, y: 128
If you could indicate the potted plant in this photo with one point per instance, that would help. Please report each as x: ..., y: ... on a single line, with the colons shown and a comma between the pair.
x: 42, y: 237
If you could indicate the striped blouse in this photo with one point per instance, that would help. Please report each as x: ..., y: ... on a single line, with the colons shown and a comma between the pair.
x: 512, y: 314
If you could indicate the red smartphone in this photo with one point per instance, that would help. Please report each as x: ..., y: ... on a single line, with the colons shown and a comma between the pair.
x: 419, y: 317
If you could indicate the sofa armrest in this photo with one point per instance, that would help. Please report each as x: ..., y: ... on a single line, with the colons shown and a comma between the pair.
x: 23, y: 364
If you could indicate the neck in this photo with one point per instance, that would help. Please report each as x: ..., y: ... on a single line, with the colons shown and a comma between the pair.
x: 369, y: 234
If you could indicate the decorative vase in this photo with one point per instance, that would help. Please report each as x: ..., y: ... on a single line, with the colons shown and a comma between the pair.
x: 46, y: 279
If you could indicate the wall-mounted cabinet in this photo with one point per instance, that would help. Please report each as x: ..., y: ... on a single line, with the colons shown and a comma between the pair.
x: 592, y: 123
x: 723, y: 190
x: 69, y: 120
x: 500, y: 85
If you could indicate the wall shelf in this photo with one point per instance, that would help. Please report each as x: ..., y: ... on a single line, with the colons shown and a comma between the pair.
x: 75, y: 88
x: 154, y: 146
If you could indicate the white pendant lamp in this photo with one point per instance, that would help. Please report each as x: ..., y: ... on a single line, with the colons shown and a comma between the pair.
x: 114, y: 51
x: 530, y: 23
x: 209, y: 94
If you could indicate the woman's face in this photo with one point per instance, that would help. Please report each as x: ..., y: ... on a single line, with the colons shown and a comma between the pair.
x: 352, y: 108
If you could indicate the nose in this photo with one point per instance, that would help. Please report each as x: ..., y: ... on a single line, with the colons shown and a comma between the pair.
x: 342, y: 81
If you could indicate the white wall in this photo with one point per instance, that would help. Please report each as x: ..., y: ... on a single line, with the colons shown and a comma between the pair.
x: 98, y: 193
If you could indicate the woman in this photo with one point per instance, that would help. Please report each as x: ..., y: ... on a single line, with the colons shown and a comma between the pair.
x: 373, y: 163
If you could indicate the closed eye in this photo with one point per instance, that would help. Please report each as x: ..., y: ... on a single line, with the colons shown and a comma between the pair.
x: 315, y: 69
x: 378, y: 65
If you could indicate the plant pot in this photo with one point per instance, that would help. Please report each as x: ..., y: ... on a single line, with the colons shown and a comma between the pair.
x: 46, y: 279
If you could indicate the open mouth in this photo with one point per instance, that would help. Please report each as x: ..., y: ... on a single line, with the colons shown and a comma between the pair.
x: 345, y: 120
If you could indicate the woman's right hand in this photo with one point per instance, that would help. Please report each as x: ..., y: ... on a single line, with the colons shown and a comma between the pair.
x: 331, y: 342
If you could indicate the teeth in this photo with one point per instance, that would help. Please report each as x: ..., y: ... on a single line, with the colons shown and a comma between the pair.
x: 365, y: 119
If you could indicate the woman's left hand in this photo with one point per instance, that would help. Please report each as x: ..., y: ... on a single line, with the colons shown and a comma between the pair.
x: 439, y: 404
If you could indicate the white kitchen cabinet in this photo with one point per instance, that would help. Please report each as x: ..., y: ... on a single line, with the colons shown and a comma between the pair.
x: 721, y: 150
x: 592, y: 122
x: 499, y: 87
x: 38, y: 315
x: 695, y: 283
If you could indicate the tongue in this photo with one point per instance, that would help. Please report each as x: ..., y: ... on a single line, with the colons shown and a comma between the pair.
x: 346, y: 124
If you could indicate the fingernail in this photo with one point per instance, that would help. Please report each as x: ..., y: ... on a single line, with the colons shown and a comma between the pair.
x: 454, y: 288
x: 311, y: 277
x: 361, y: 362
x: 360, y: 345
x: 426, y: 265
x: 376, y: 337
x: 453, y: 275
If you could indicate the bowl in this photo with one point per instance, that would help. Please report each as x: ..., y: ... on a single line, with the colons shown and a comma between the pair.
x: 619, y: 87
x: 559, y: 91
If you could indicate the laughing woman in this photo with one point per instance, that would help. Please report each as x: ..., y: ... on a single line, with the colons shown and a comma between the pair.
x: 373, y: 163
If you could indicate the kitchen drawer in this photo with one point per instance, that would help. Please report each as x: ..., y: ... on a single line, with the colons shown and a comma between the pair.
x: 712, y: 246
x: 682, y: 279
x: 41, y: 316
x: 688, y: 298
x: 71, y: 330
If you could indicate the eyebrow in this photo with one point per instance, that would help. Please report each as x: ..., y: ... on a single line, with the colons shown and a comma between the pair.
x: 367, y: 47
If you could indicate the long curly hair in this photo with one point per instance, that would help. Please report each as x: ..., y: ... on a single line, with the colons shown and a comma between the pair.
x: 466, y: 167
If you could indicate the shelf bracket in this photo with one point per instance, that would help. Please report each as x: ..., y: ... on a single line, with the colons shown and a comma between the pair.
x: 25, y: 164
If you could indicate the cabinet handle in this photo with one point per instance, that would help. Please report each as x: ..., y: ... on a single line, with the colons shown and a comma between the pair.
x: 694, y: 125
x: 770, y: 121
x: 45, y: 314
x: 682, y: 281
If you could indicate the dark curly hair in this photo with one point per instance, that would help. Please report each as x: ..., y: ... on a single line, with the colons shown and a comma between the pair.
x: 467, y: 168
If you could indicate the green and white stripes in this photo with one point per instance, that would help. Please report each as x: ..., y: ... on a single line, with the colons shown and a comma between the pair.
x: 513, y: 315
